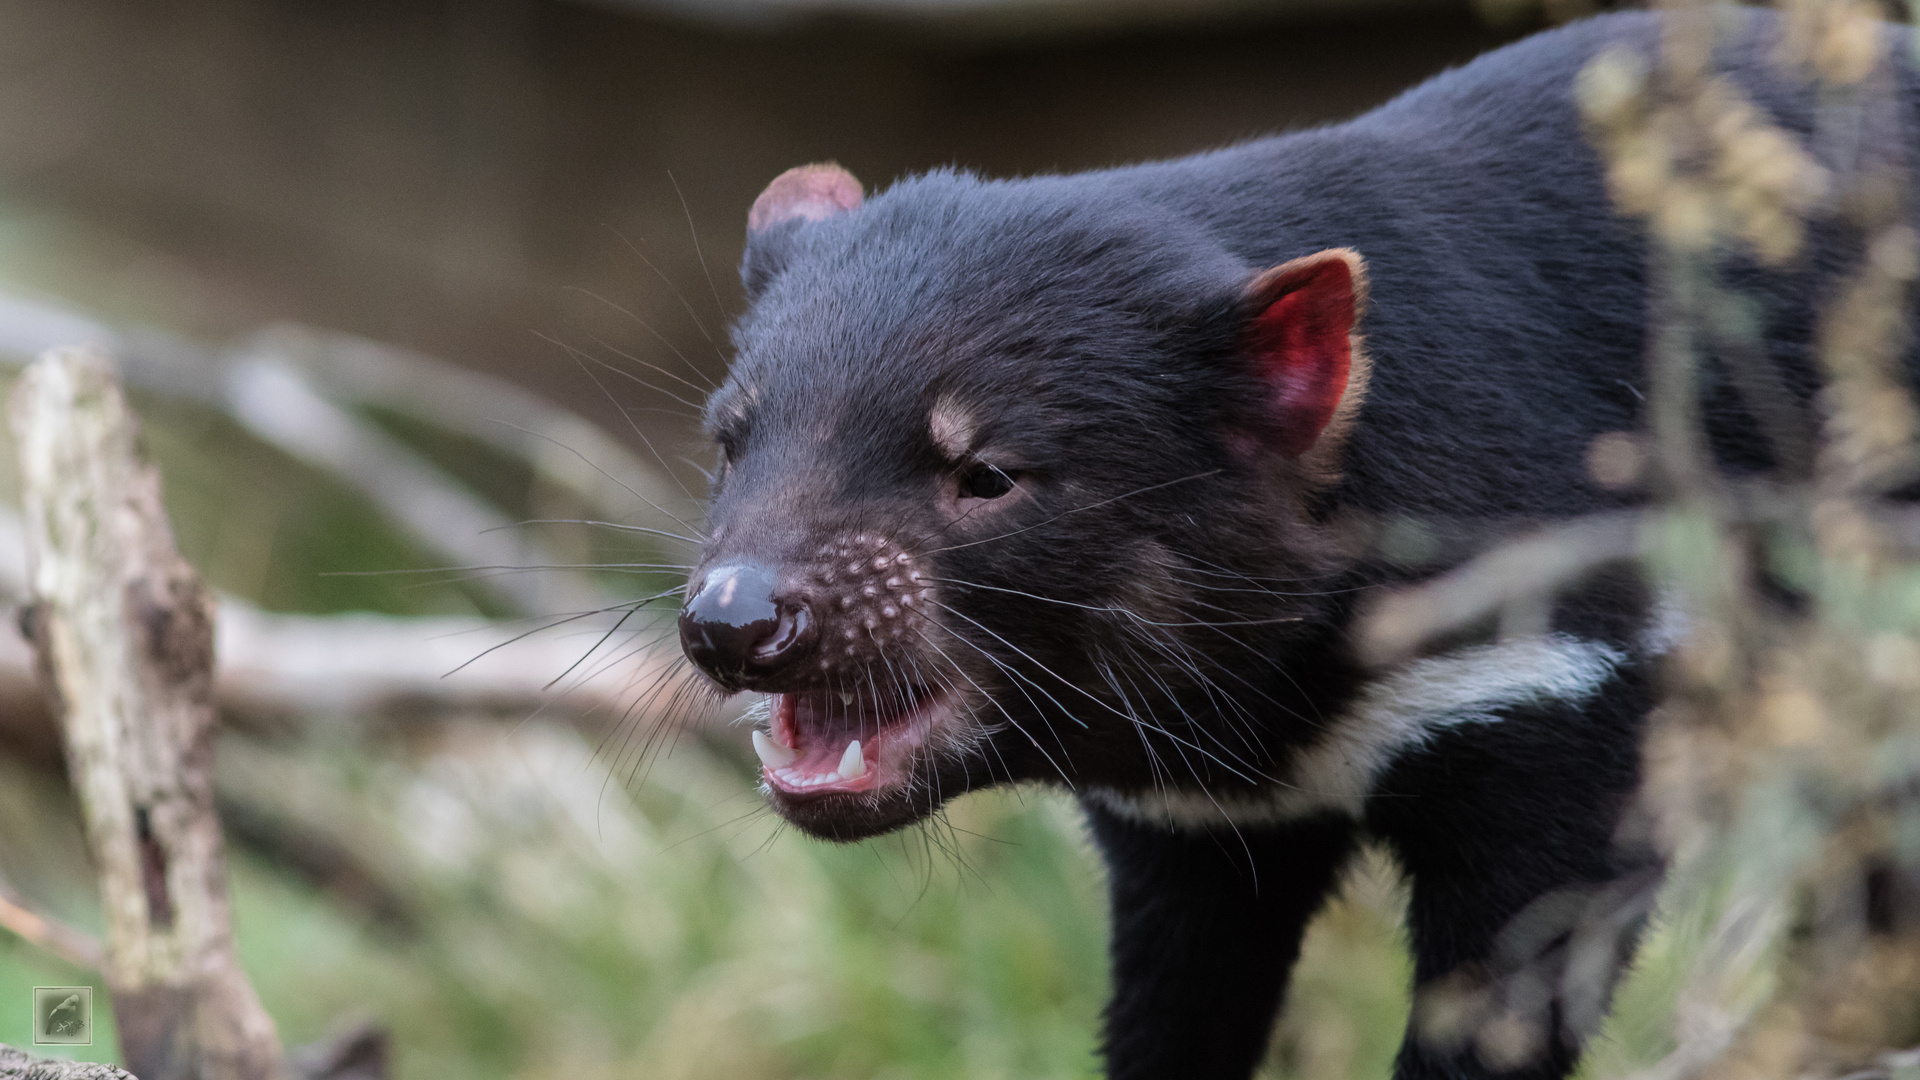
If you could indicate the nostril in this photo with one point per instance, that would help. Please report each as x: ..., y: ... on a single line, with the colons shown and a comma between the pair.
x: 787, y: 632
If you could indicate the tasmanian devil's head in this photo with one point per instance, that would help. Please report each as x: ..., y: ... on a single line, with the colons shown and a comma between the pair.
x: 1017, y: 481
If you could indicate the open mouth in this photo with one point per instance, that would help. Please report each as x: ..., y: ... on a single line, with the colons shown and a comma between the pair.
x: 828, y: 742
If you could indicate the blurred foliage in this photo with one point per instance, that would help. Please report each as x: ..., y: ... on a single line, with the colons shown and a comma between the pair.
x: 1783, y: 770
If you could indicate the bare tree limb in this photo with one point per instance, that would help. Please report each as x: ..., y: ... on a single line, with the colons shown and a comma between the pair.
x: 124, y: 635
x: 562, y: 446
x: 280, y: 664
x: 289, y: 385
x: 345, y: 664
x: 76, y: 947
x: 1526, y: 571
x: 278, y: 404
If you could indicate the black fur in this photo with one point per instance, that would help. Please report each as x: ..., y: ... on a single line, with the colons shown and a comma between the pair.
x: 1201, y: 947
x: 1153, y: 608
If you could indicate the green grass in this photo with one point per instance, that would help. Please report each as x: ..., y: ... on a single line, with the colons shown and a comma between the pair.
x: 570, y: 928
x: 562, y: 921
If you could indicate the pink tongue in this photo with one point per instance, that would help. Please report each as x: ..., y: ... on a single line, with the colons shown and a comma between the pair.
x: 819, y: 726
x: 821, y: 755
x: 824, y: 725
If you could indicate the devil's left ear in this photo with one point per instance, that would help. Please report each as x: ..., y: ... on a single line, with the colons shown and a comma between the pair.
x: 797, y: 196
x: 1303, y: 342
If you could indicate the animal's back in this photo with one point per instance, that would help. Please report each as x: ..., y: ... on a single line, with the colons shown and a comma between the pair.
x: 1509, y: 296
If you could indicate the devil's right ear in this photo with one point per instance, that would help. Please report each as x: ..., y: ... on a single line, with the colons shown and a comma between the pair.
x: 799, y: 195
x: 1302, y: 342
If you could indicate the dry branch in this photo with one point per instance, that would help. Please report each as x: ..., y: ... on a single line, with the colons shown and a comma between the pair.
x: 280, y: 405
x: 1523, y: 572
x: 563, y: 447
x: 281, y: 664
x: 291, y: 386
x: 124, y: 636
x: 76, y: 947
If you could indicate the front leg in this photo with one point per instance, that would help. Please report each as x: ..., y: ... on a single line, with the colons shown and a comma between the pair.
x: 1206, y: 926
x: 1524, y: 905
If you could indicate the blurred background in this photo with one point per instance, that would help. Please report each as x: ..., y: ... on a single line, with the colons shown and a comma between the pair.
x: 386, y: 277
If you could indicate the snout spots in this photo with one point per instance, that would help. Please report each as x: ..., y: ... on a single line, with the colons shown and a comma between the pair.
x: 875, y: 594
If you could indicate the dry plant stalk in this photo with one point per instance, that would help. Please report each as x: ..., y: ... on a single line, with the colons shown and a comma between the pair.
x: 124, y: 635
x: 1782, y: 769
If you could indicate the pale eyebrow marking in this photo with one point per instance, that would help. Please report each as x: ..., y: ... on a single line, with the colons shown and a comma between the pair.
x: 952, y: 427
x: 733, y: 408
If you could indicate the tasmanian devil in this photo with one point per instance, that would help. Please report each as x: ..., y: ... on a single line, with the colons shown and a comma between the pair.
x: 1058, y: 480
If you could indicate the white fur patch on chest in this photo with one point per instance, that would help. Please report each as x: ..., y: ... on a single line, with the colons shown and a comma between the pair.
x: 1393, y: 714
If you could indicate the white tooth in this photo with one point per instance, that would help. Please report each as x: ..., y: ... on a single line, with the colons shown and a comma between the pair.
x: 772, y: 754
x: 852, y: 765
x: 846, y: 699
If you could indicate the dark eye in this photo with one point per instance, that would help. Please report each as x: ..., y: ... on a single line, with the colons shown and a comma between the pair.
x: 985, y: 482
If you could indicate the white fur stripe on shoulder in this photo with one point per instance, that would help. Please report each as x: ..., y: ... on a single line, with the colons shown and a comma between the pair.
x: 1393, y: 714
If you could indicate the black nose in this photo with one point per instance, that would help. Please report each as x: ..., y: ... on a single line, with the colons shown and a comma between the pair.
x: 737, y: 626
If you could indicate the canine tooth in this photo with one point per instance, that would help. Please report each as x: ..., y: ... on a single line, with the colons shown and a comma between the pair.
x: 853, y: 765
x: 772, y: 754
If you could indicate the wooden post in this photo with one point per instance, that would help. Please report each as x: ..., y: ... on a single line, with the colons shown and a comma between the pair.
x: 123, y: 630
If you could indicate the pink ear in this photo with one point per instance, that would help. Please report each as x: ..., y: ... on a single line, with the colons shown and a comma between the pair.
x: 805, y: 193
x: 1301, y: 341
